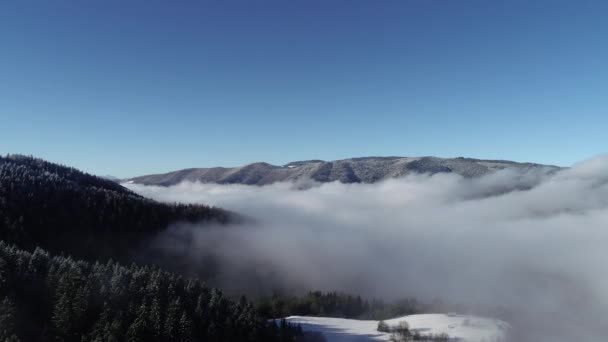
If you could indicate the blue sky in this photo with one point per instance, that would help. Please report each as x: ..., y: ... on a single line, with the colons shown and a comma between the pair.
x: 135, y: 87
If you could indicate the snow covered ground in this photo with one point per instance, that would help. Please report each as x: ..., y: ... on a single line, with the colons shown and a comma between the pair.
x: 458, y: 327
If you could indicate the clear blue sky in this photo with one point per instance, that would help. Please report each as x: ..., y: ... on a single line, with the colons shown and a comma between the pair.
x: 134, y: 87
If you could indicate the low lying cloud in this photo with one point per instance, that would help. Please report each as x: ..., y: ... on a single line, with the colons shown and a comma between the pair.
x: 531, y: 242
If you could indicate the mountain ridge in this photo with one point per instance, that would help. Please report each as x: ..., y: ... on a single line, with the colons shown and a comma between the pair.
x: 351, y: 170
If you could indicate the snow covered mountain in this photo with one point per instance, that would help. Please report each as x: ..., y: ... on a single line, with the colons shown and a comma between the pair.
x: 462, y: 328
x: 354, y: 170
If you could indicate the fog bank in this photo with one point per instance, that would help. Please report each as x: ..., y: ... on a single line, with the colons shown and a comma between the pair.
x: 530, y: 242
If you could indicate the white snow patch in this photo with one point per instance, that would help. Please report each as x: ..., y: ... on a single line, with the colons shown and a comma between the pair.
x: 462, y: 328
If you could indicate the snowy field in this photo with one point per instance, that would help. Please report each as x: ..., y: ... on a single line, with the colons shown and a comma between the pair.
x: 458, y: 327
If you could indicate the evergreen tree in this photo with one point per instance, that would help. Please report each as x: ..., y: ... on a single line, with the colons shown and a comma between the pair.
x: 7, y: 320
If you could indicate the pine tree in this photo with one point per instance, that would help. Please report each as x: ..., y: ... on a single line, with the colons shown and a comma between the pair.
x: 7, y: 320
x: 171, y: 322
x: 139, y: 330
x: 185, y: 328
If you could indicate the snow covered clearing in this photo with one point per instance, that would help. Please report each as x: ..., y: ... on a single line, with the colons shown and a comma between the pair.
x: 458, y: 327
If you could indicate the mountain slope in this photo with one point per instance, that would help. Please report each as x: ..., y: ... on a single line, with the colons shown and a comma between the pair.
x: 354, y: 170
x: 64, y: 210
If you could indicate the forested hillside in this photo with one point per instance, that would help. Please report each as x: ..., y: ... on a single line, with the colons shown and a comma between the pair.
x: 58, y: 298
x: 64, y: 210
x: 45, y: 298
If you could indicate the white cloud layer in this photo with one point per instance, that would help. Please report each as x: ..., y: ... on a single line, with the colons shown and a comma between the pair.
x: 533, y: 243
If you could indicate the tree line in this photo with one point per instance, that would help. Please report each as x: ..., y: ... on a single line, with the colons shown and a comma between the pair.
x: 337, y: 304
x: 402, y: 333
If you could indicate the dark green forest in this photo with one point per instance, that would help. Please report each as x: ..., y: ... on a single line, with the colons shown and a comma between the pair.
x: 64, y: 210
x: 45, y: 298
